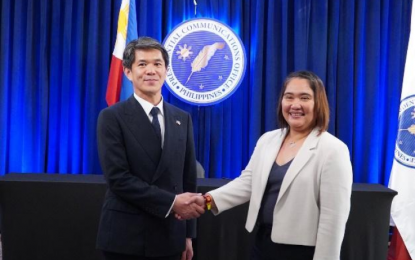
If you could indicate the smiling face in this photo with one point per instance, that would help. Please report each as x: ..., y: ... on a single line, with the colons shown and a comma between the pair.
x: 298, y: 105
x: 147, y: 74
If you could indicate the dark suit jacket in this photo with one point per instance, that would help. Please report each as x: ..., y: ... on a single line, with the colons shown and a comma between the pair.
x: 143, y: 180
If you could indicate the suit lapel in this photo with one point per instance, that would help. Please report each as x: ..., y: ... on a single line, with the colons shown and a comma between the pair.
x: 306, y: 152
x: 142, y: 130
x: 269, y: 154
x: 174, y: 129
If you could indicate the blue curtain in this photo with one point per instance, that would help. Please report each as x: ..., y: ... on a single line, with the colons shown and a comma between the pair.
x: 55, y: 58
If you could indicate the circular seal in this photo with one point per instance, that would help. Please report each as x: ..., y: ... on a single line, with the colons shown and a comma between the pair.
x: 207, y: 61
x: 405, y: 142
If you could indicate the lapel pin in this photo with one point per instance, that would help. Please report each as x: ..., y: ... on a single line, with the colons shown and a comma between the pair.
x: 178, y: 122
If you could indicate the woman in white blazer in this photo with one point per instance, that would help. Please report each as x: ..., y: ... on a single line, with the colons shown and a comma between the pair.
x: 298, y: 180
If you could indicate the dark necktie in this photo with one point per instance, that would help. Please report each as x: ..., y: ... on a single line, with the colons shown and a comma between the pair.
x: 156, y: 124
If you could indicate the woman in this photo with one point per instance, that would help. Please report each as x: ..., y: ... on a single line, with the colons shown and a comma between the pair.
x: 298, y: 180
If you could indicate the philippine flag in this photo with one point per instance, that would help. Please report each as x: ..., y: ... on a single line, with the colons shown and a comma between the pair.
x: 119, y: 87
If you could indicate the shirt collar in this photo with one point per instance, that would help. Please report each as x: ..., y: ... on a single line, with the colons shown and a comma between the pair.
x: 147, y: 106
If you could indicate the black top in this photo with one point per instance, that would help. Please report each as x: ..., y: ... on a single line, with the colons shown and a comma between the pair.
x: 271, y: 193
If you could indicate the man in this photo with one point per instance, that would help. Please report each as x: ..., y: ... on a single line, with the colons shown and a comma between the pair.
x: 146, y: 150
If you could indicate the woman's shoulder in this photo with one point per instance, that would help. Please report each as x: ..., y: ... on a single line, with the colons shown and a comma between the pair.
x: 278, y: 133
x: 330, y: 141
x: 270, y: 136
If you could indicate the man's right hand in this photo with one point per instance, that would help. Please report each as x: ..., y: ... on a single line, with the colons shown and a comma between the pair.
x: 187, y: 205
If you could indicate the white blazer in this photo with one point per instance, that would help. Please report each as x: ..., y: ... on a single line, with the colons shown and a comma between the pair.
x: 314, y: 201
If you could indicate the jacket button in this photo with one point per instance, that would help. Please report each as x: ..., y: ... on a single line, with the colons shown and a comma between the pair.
x: 175, y: 188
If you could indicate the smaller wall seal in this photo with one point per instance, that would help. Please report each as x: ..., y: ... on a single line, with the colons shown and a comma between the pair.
x: 405, y: 143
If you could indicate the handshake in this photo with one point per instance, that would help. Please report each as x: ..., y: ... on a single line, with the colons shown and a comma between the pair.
x: 189, y: 205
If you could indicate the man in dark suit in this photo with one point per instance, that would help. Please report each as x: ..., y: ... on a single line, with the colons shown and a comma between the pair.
x: 146, y: 150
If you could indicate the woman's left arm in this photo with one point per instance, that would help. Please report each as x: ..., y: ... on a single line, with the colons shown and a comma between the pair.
x: 335, y: 191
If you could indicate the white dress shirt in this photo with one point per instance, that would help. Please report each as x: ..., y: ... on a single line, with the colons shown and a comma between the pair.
x: 147, y: 106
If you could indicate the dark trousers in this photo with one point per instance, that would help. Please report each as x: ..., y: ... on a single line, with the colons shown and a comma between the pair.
x: 115, y: 256
x: 265, y: 249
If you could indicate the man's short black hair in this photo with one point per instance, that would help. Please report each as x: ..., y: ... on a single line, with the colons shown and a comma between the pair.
x: 142, y: 43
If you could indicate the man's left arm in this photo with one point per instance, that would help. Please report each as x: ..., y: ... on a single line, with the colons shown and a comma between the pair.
x: 188, y: 253
x: 189, y: 174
